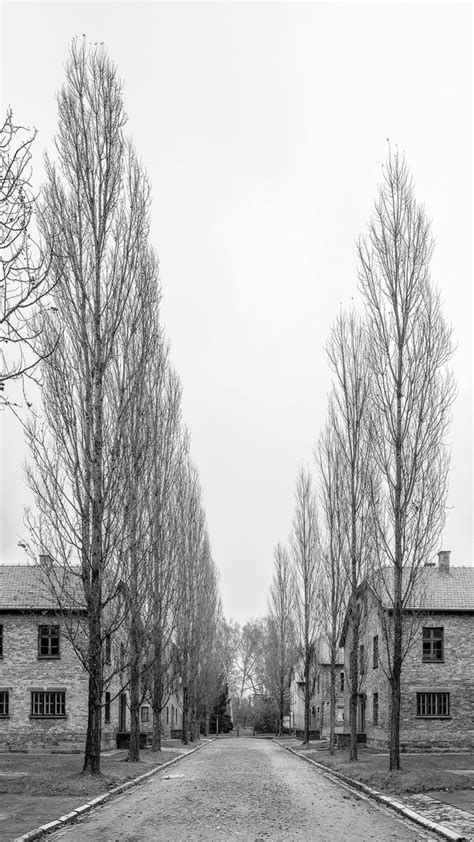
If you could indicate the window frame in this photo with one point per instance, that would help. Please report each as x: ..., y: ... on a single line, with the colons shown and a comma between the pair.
x: 429, y: 638
x: 375, y: 708
x: 375, y: 652
x: 53, y: 635
x: 107, y: 708
x: 5, y: 704
x: 42, y: 700
x: 145, y: 709
x: 438, y: 701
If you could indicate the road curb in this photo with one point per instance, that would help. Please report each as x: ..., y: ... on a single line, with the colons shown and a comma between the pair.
x: 69, y: 818
x: 375, y: 795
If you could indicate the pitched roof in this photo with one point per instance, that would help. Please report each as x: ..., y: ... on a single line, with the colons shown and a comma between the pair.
x: 437, y: 590
x: 25, y: 588
x: 440, y: 590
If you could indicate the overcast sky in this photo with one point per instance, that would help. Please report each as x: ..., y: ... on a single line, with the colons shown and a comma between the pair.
x: 264, y: 128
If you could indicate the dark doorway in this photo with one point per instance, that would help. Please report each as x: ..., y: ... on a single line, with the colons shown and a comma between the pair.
x: 361, y: 714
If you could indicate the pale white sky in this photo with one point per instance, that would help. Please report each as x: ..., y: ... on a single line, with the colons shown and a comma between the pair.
x: 263, y: 128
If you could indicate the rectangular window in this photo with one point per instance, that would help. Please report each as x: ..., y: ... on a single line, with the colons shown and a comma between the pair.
x: 361, y: 658
x: 108, y: 649
x: 107, y: 707
x: 432, y: 704
x: 342, y: 683
x: 1, y: 641
x: 4, y: 706
x: 375, y: 709
x: 51, y: 703
x: 48, y: 641
x: 145, y: 713
x: 375, y: 652
x: 317, y: 682
x: 433, y: 644
x: 167, y: 716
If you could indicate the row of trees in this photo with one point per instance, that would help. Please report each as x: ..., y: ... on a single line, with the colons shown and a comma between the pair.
x: 377, y: 507
x: 119, y: 521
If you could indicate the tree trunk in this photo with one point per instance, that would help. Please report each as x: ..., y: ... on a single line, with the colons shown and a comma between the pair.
x: 396, y: 690
x: 184, y: 735
x: 307, y: 696
x: 281, y: 707
x: 354, y: 617
x: 94, y: 722
x: 134, y: 749
x: 332, y: 702
x: 157, y: 691
x: 353, y: 678
x: 397, y: 581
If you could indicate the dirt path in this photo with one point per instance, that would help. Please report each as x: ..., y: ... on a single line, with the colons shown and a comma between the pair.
x: 240, y: 789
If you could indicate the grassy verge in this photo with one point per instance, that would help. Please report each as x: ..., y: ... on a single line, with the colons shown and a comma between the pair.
x: 419, y: 772
x: 60, y: 774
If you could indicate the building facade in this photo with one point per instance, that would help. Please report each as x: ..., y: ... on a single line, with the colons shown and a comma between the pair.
x: 43, y: 683
x: 437, y: 686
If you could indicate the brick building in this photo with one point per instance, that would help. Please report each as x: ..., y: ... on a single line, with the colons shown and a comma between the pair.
x: 322, y: 690
x: 43, y: 685
x: 437, y: 690
x: 297, y: 691
x: 320, y: 683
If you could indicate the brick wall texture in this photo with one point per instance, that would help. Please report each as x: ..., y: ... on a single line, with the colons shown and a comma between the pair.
x: 454, y: 674
x: 21, y: 671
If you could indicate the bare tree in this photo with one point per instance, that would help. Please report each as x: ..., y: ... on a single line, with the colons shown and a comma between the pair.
x: 305, y: 546
x: 348, y: 419
x: 170, y: 454
x: 335, y: 551
x: 95, y: 210
x: 24, y: 279
x: 140, y: 343
x: 280, y: 648
x: 408, y: 351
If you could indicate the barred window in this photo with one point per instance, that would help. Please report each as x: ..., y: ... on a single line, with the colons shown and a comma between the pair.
x: 433, y: 644
x: 432, y: 704
x: 48, y: 641
x: 4, y: 703
x: 50, y: 703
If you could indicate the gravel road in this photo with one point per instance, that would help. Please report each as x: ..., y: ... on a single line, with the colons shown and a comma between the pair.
x: 243, y: 789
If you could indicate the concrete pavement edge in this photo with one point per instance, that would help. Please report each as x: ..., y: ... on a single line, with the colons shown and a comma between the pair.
x: 375, y: 795
x: 69, y: 818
